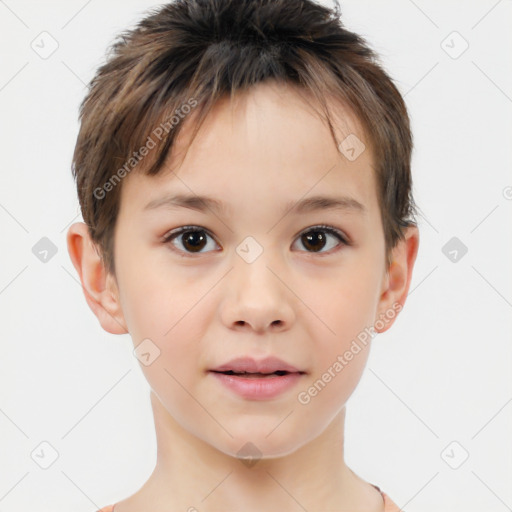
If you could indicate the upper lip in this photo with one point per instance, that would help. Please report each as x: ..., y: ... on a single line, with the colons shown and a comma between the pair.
x: 250, y: 365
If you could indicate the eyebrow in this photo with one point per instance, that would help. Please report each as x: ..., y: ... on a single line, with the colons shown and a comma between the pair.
x: 310, y: 204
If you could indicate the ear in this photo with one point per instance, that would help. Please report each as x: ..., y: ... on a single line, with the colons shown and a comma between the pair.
x: 100, y: 289
x: 397, y: 279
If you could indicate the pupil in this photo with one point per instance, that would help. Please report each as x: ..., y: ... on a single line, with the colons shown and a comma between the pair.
x: 193, y: 239
x: 312, y: 238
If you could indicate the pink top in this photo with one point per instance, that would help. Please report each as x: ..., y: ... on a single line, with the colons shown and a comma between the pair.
x: 389, y: 506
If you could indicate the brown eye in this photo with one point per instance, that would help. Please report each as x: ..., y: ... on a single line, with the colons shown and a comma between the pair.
x: 193, y: 241
x: 319, y: 237
x: 189, y: 240
x: 314, y: 240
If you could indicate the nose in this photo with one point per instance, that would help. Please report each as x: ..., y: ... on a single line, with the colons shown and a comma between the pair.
x: 257, y: 298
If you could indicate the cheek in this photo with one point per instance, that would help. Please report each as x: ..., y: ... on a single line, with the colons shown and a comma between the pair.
x: 345, y: 304
x: 176, y: 340
x: 158, y: 301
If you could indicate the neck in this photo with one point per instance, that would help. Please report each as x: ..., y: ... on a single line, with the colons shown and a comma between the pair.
x: 192, y: 475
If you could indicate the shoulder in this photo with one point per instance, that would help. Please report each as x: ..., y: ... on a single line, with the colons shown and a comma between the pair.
x: 389, y: 506
x: 108, y: 508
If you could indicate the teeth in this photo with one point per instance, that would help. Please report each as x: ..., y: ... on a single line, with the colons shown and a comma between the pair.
x: 256, y: 375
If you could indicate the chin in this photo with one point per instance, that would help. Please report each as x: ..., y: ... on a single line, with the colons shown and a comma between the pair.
x: 252, y: 444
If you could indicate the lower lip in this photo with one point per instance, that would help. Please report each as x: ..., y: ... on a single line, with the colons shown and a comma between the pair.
x: 258, y: 388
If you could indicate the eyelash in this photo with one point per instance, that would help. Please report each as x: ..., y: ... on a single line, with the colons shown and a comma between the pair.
x: 168, y: 238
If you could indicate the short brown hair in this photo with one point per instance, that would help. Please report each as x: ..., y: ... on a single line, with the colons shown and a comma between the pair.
x: 194, y: 52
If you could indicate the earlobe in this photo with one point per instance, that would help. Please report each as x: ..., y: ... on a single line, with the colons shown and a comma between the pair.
x: 97, y: 285
x: 398, y: 279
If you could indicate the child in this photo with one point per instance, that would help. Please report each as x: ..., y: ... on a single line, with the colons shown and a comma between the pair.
x: 243, y: 171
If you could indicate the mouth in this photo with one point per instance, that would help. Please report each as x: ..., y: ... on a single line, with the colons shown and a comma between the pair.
x: 246, y: 366
x: 251, y: 379
x: 257, y: 375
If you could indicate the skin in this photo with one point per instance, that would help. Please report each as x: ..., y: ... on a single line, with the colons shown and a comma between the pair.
x: 203, y: 309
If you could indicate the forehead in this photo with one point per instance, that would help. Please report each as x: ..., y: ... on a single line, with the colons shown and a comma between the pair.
x: 270, y: 141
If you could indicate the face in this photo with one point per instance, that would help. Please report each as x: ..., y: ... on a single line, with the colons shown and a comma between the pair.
x: 262, y: 271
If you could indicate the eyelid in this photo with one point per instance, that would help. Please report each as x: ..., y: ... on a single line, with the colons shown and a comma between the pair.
x: 329, y: 229
x: 182, y: 229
